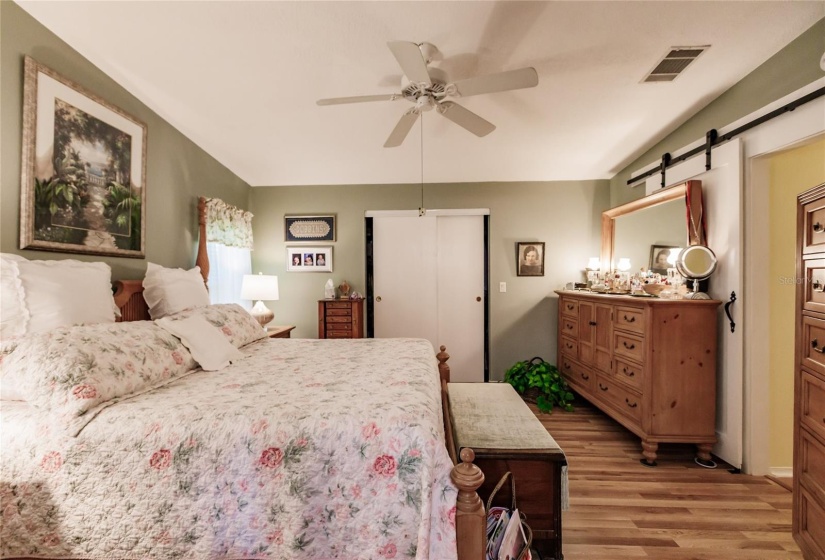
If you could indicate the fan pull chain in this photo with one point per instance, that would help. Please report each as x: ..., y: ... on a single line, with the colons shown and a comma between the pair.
x: 421, y: 210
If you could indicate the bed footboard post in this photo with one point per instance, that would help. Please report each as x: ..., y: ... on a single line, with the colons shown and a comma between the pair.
x: 202, y: 259
x: 443, y: 368
x: 470, y: 518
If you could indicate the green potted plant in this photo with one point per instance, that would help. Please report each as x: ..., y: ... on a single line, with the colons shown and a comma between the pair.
x: 540, y: 382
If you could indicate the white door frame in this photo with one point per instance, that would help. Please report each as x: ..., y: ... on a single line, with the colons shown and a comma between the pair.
x: 786, y: 131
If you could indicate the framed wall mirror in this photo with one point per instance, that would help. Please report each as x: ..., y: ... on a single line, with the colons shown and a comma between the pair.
x: 639, y: 229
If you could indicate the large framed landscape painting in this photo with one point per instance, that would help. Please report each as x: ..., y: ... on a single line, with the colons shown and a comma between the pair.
x: 83, y: 185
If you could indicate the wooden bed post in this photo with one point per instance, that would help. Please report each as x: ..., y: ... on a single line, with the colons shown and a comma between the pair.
x: 470, y: 518
x: 203, y: 257
x: 443, y: 368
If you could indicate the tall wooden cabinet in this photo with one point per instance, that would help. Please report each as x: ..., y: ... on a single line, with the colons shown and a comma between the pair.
x: 340, y: 318
x: 648, y: 363
x: 809, y: 385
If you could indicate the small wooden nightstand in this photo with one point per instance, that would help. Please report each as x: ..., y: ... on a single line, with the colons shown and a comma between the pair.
x: 280, y: 332
x: 341, y: 318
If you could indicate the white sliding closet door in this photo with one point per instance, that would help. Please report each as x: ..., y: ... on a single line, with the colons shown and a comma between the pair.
x: 722, y: 194
x: 429, y: 283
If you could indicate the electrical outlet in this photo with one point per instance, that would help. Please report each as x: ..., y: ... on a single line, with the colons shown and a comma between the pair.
x: 502, y: 287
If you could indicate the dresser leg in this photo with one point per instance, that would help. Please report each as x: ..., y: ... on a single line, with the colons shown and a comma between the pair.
x: 649, y: 451
x: 703, y: 458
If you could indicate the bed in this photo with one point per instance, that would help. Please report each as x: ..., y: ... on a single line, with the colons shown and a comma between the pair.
x: 301, y: 449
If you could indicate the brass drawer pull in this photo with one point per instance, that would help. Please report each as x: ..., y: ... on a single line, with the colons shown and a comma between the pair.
x: 602, y: 387
x: 817, y: 286
x: 593, y: 323
x: 629, y: 373
x: 816, y: 348
x: 818, y: 227
x: 585, y: 376
x: 629, y: 347
x: 630, y: 404
x: 566, y: 365
x: 629, y: 319
x: 568, y: 326
x: 569, y: 346
x: 570, y: 307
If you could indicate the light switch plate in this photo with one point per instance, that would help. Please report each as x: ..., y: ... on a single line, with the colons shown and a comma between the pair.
x: 502, y: 287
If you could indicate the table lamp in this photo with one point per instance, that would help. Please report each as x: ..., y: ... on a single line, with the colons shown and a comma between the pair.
x: 260, y: 287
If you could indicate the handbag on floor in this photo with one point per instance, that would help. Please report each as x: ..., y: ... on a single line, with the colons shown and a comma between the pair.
x: 508, y: 535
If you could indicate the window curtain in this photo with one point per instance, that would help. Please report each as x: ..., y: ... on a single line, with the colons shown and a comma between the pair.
x: 229, y: 246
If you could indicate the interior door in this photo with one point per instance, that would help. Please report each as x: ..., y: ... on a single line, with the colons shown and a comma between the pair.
x: 603, y: 339
x: 722, y: 194
x: 429, y: 282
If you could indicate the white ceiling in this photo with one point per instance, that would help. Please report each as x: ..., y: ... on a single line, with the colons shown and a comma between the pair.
x: 240, y: 78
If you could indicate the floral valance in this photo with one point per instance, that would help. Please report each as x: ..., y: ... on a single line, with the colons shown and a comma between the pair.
x: 227, y: 224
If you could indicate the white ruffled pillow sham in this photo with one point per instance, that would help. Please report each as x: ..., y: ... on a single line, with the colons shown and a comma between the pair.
x: 208, y: 345
x: 74, y: 372
x: 41, y: 295
x: 171, y: 290
x: 235, y: 322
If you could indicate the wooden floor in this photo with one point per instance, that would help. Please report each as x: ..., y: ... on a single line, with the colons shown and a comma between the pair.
x: 678, y: 510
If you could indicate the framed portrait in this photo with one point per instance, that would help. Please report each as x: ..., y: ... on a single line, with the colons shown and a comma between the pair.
x: 530, y: 258
x: 309, y: 229
x: 83, y: 183
x: 658, y: 257
x: 309, y: 259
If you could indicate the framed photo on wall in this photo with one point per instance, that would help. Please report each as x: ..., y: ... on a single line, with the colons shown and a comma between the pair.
x: 530, y: 258
x: 658, y: 258
x: 83, y: 184
x: 309, y: 229
x: 309, y: 259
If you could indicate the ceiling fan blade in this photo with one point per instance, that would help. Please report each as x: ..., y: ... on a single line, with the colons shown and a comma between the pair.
x: 466, y: 118
x: 503, y: 81
x: 359, y: 99
x: 401, y: 130
x: 411, y: 60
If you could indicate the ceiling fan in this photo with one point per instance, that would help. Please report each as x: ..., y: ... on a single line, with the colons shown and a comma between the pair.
x: 428, y: 88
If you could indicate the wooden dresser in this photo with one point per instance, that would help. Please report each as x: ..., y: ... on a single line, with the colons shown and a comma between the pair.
x: 340, y: 318
x: 649, y: 363
x: 809, y: 385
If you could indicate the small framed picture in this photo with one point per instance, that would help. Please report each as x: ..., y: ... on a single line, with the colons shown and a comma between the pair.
x: 661, y: 259
x: 309, y: 259
x: 530, y: 258
x: 309, y: 229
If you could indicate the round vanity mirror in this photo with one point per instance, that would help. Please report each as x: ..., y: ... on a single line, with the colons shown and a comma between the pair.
x: 696, y: 263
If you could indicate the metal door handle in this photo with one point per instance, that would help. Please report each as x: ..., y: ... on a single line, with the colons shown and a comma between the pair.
x: 817, y: 286
x: 631, y: 347
x: 631, y: 405
x: 478, y: 298
x: 815, y: 346
x: 628, y: 373
x: 378, y: 298
x: 817, y: 227
x: 630, y: 320
x: 602, y: 387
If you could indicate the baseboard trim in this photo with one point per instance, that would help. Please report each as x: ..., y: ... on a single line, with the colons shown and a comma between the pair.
x: 782, y: 472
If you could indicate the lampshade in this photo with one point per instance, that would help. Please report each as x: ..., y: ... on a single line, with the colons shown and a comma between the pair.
x: 624, y: 264
x: 259, y: 287
x: 594, y: 263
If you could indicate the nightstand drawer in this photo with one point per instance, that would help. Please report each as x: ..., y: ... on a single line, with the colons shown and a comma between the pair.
x: 339, y: 311
x: 347, y: 319
x: 338, y: 305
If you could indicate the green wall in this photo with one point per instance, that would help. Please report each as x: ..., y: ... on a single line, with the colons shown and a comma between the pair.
x: 565, y: 215
x: 793, y: 67
x: 178, y: 171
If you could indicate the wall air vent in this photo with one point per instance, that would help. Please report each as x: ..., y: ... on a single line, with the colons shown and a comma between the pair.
x: 674, y: 63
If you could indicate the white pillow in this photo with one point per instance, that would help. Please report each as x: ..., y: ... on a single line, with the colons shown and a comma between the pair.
x: 56, y: 293
x: 208, y: 345
x: 169, y: 290
x: 13, y: 313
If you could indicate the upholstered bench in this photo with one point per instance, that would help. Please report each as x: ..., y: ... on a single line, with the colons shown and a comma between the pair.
x: 505, y: 435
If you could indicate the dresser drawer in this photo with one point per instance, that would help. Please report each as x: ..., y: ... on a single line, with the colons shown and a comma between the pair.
x: 577, y: 375
x: 813, y: 227
x: 569, y: 327
x: 628, y: 402
x: 339, y: 334
x: 812, y: 403
x: 814, y: 286
x: 812, y: 465
x: 629, y: 319
x: 811, y: 521
x: 332, y: 319
x: 338, y: 305
x: 631, y: 346
x: 569, y: 307
x: 335, y: 311
x: 629, y: 372
x: 813, y: 344
x: 569, y: 347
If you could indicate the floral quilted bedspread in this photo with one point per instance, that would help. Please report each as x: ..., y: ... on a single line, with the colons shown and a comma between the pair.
x: 313, y: 449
